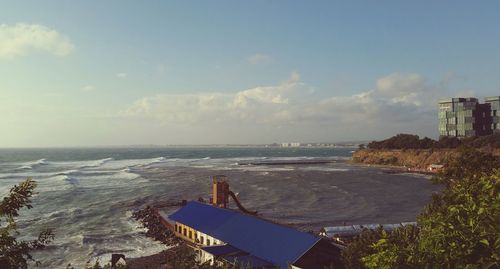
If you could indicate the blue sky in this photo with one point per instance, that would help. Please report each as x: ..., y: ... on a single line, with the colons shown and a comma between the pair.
x: 195, y: 72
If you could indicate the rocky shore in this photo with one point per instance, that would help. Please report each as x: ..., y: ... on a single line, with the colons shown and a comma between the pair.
x: 155, y: 229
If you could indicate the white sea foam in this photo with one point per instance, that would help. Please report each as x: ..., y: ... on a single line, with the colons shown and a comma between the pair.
x: 31, y: 165
x: 96, y: 163
x: 324, y: 169
x: 67, y: 172
x: 158, y: 160
x: 264, y: 168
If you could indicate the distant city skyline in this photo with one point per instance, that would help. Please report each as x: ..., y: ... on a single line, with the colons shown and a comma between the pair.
x: 106, y: 73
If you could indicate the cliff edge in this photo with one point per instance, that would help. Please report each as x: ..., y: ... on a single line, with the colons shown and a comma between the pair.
x: 410, y: 158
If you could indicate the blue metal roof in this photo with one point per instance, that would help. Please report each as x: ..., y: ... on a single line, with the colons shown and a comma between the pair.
x: 248, y: 260
x: 222, y: 250
x: 277, y: 244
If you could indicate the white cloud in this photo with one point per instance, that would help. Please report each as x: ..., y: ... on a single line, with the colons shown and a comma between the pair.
x: 398, y: 103
x: 259, y: 104
x: 259, y: 58
x: 121, y: 75
x: 88, y: 88
x: 396, y: 98
x: 401, y: 87
x: 21, y: 38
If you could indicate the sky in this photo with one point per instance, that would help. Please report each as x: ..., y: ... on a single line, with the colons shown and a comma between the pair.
x: 98, y: 73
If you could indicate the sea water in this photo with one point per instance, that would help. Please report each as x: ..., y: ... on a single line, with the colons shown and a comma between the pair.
x: 88, y: 194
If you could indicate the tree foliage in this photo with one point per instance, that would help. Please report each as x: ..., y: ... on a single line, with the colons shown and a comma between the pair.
x: 400, y: 141
x: 361, y: 247
x: 14, y: 253
x: 409, y: 141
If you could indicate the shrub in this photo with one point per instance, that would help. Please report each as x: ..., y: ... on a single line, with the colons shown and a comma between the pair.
x: 14, y: 253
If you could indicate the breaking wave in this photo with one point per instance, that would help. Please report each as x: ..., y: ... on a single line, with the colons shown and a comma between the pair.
x: 97, y: 163
x: 31, y: 165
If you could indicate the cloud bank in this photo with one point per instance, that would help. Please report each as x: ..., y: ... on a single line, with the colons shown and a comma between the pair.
x: 399, y: 102
x: 21, y: 39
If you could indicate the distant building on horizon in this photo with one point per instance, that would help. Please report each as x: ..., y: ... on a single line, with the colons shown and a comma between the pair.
x: 466, y: 117
x: 291, y: 145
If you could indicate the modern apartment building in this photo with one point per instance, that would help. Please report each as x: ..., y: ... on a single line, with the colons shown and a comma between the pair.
x: 464, y: 117
x: 494, y: 103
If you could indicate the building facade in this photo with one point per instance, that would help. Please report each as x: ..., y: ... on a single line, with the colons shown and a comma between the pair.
x: 494, y: 102
x: 466, y: 117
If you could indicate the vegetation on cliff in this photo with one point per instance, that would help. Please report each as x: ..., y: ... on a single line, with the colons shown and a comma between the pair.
x: 410, y: 158
x: 412, y: 152
x: 460, y: 228
x: 409, y: 141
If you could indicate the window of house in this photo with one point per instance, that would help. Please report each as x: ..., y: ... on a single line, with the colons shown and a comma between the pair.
x: 208, y: 242
x: 185, y: 232
x: 202, y: 240
x: 190, y: 234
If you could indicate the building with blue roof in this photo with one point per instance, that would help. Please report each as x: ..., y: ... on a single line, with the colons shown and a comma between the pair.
x: 236, y: 238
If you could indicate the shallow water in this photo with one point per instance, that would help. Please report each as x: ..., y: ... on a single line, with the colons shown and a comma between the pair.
x: 88, y: 195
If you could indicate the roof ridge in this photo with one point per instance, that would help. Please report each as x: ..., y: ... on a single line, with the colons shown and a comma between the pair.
x: 256, y: 217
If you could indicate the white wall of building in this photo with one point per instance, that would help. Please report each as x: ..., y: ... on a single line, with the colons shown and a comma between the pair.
x: 203, y: 255
x: 208, y: 239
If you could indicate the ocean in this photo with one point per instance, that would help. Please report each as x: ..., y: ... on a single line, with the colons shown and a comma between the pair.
x: 88, y: 194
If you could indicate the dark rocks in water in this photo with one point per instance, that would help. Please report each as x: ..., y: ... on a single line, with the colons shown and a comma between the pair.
x: 169, y: 203
x: 155, y: 229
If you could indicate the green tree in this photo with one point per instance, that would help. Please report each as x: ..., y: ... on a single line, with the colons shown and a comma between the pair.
x: 361, y: 247
x: 14, y: 253
x: 395, y: 249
